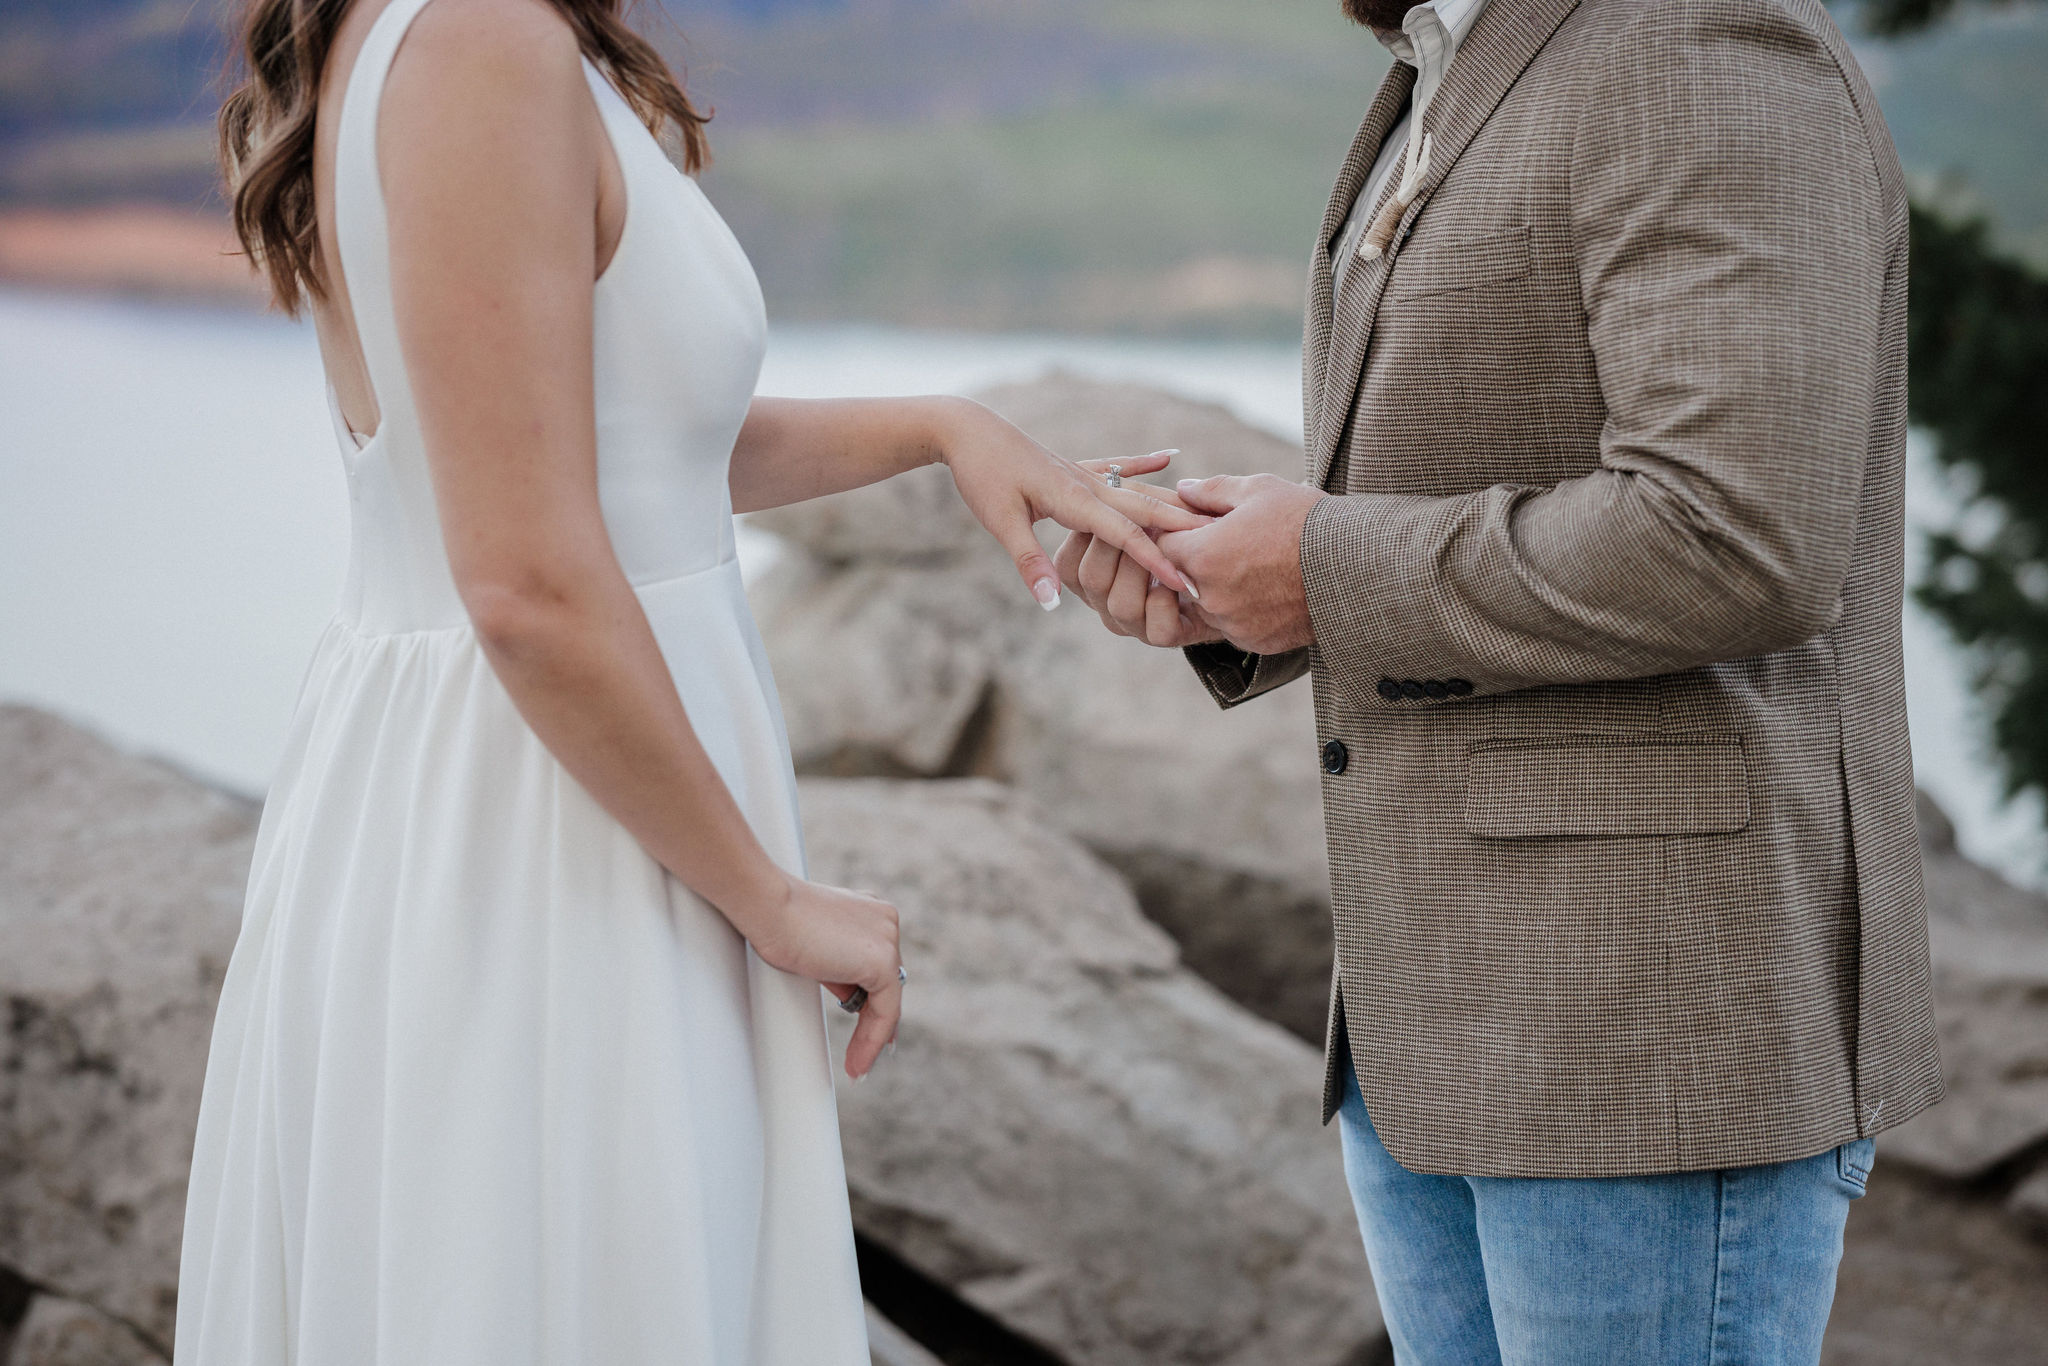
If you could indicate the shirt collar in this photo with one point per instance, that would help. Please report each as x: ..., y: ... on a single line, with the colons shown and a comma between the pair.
x: 1427, y: 40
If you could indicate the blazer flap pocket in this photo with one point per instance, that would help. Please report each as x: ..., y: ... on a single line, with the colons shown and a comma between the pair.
x: 1440, y: 267
x: 1677, y: 786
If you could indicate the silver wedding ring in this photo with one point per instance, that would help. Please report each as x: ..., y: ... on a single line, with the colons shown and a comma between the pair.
x: 902, y: 975
x: 1115, y: 477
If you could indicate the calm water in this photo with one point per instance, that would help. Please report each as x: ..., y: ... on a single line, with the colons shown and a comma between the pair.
x: 173, y: 519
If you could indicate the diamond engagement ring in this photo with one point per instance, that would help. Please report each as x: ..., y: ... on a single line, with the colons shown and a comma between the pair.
x: 1115, y: 477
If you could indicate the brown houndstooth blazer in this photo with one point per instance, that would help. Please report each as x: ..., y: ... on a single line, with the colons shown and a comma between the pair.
x: 1608, y: 670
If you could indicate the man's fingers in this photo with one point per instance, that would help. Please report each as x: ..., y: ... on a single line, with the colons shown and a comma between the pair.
x: 1067, y: 562
x: 1120, y: 531
x: 1165, y: 625
x: 1098, y: 572
x: 1215, y: 496
x: 1127, y: 596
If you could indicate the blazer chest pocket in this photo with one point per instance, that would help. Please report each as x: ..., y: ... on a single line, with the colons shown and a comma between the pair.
x: 1442, y: 267
x: 1613, y: 788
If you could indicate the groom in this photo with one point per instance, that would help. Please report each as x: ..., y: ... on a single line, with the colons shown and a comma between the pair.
x: 1597, y: 572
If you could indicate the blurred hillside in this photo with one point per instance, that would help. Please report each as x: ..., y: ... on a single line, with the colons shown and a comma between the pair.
x: 1127, y: 165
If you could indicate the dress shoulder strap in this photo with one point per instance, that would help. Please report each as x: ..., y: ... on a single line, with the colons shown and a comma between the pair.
x: 360, y: 227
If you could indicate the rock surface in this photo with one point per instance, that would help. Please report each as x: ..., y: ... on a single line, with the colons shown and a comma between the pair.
x: 1088, y: 1142
x: 120, y: 895
x: 1934, y: 1277
x: 1946, y: 1259
x: 1990, y: 947
x: 889, y: 1345
x: 65, y: 1333
x: 1141, y: 1113
x: 905, y: 646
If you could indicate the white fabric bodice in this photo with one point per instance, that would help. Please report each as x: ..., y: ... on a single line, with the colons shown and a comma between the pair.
x: 679, y: 334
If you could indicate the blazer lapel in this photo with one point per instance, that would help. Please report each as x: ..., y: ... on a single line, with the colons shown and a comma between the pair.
x: 1489, y: 61
x: 1365, y: 149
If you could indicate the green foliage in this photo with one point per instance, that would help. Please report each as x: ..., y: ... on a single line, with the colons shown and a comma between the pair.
x: 1903, y: 16
x: 1893, y: 17
x: 1980, y: 382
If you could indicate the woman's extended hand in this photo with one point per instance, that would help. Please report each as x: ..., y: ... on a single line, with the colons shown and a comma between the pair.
x: 1011, y: 483
x: 845, y: 940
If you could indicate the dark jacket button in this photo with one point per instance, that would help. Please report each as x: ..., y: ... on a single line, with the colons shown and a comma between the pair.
x: 1336, y: 758
x: 1390, y: 690
x: 1412, y: 689
x: 1437, y: 690
x: 1459, y: 687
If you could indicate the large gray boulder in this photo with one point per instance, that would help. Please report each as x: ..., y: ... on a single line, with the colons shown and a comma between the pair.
x: 59, y: 1332
x: 1990, y: 950
x: 1935, y: 1277
x: 120, y: 896
x: 905, y: 646
x: 1081, y: 1137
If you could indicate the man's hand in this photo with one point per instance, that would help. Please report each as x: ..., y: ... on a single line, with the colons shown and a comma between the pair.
x: 1126, y: 596
x: 1246, y: 565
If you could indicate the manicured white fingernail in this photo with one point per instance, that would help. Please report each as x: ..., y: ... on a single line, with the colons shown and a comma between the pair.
x: 1169, y: 452
x: 1187, y: 483
x: 1192, y: 592
x: 1047, y: 591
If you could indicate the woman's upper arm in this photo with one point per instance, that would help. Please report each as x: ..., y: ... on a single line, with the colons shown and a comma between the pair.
x: 488, y: 149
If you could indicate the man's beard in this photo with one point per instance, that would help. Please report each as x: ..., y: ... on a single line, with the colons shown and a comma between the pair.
x: 1383, y: 14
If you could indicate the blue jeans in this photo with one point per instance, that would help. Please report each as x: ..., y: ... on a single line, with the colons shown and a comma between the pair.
x: 1715, y: 1268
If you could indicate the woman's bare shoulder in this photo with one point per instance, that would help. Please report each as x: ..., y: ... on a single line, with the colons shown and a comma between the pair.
x: 519, y: 49
x: 487, y: 117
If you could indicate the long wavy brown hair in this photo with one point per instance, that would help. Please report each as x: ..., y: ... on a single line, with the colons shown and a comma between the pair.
x: 266, y: 124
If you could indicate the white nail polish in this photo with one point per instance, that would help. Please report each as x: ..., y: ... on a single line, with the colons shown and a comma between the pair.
x: 1048, y: 594
x: 1191, y: 588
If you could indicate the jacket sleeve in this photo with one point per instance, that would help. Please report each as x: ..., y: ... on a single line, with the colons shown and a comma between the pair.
x: 1233, y: 676
x: 1731, y: 233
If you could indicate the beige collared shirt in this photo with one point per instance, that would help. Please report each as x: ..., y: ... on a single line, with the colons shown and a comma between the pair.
x: 1427, y: 40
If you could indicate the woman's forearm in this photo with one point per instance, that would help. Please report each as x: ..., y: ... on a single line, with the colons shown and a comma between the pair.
x: 582, y: 666
x: 794, y: 449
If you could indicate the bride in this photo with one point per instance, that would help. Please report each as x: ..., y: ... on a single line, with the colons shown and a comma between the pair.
x: 521, y: 1054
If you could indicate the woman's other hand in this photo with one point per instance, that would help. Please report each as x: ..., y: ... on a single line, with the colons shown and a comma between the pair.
x: 848, y: 941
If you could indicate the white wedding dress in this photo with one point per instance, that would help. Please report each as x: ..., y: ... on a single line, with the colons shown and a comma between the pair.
x: 487, y: 1086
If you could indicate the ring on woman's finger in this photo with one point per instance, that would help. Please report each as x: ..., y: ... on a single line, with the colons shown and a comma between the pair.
x: 1115, y: 477
x: 902, y: 975
x: 857, y: 1002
